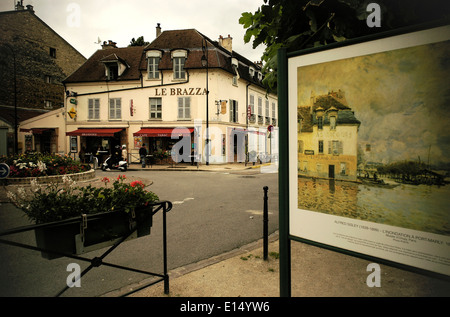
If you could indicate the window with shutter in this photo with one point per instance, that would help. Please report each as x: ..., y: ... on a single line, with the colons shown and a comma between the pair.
x: 115, y: 109
x: 184, y: 108
x: 93, y: 109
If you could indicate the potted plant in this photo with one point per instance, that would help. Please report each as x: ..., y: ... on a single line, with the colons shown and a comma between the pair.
x: 76, y: 219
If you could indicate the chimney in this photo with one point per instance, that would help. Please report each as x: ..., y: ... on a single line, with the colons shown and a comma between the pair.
x: 158, y: 30
x: 226, y: 43
x: 30, y: 8
x: 108, y: 45
x: 19, y: 5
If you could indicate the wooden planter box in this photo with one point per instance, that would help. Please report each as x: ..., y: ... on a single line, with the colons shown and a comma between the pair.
x: 92, y: 232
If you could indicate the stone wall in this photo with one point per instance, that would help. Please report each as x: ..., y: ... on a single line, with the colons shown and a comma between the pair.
x: 43, y: 61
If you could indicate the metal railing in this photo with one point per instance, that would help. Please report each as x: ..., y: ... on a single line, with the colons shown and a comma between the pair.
x: 166, y: 206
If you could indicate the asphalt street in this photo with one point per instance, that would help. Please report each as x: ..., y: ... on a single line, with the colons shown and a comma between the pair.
x: 213, y: 213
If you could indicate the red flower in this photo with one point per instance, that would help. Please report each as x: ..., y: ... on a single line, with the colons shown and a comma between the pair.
x: 135, y: 183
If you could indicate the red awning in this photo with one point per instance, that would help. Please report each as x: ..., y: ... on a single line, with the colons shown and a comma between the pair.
x: 161, y: 132
x: 94, y: 132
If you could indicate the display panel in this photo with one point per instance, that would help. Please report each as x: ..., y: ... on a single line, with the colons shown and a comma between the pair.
x: 369, y: 148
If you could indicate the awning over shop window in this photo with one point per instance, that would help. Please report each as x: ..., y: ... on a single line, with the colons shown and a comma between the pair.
x: 160, y: 132
x: 94, y: 132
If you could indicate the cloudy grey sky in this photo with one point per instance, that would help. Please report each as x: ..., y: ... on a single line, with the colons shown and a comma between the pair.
x: 402, y: 99
x: 82, y: 22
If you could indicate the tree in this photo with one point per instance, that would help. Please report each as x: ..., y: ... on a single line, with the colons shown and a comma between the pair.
x: 139, y: 42
x: 300, y: 24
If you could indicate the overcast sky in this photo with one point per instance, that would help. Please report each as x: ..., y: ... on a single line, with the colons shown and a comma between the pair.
x: 82, y: 22
x: 400, y: 97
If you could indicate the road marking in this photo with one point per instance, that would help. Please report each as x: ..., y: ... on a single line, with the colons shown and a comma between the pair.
x: 257, y: 212
x: 179, y: 202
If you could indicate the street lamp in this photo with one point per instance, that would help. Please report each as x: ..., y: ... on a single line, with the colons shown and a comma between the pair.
x: 16, y: 147
x: 205, y: 64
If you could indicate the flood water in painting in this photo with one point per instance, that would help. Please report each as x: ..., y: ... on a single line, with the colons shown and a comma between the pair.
x: 418, y: 207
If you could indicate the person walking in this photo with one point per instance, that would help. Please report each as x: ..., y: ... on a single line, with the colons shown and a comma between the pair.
x: 124, y: 153
x: 143, y: 154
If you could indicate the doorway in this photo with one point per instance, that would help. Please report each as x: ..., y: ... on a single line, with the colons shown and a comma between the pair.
x: 330, y: 171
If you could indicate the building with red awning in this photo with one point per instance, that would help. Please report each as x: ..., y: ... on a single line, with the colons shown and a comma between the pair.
x: 182, y: 87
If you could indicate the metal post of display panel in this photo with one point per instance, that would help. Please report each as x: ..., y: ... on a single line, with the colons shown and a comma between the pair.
x: 283, y: 176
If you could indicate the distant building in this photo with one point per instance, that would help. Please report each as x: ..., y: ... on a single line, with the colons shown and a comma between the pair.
x: 327, y: 138
x: 43, y: 59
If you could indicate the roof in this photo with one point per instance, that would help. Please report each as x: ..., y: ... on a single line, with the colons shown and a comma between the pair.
x: 93, y: 69
x: 326, y: 103
x: 190, y: 40
x: 7, y: 114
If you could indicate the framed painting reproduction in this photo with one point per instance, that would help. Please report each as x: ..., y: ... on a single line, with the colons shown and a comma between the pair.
x: 369, y: 148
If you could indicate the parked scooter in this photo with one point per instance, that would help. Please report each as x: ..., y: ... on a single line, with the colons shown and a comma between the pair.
x: 108, y: 164
x: 115, y: 161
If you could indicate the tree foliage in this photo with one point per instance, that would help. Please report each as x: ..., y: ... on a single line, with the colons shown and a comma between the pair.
x: 139, y: 42
x: 300, y: 24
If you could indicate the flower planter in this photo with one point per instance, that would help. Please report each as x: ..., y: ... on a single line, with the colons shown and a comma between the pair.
x: 85, y: 234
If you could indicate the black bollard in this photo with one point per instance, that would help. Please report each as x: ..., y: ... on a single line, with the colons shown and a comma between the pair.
x: 265, y: 224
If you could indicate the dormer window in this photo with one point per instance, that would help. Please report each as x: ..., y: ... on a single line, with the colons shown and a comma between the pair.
x: 235, y: 65
x: 259, y: 76
x: 179, y: 59
x: 251, y: 71
x: 333, y: 123
x: 332, y: 115
x: 112, y: 71
x: 153, y: 58
x: 114, y: 66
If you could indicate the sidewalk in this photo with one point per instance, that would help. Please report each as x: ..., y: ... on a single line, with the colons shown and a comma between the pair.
x: 315, y: 272
x: 268, y: 167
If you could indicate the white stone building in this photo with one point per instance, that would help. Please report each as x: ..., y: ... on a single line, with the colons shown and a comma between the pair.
x: 139, y: 95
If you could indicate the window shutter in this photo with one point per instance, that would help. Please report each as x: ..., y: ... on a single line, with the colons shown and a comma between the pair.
x: 180, y: 108
x: 187, y: 105
x: 118, y: 108
x: 90, y: 109
x: 111, y: 108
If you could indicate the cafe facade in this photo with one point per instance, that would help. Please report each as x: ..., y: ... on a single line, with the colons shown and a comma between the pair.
x: 175, y: 96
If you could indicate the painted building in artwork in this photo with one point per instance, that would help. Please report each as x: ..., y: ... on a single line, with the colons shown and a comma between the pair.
x: 327, y: 138
x: 138, y: 95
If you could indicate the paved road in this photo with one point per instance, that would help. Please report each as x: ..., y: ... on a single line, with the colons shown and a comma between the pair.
x: 213, y: 212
